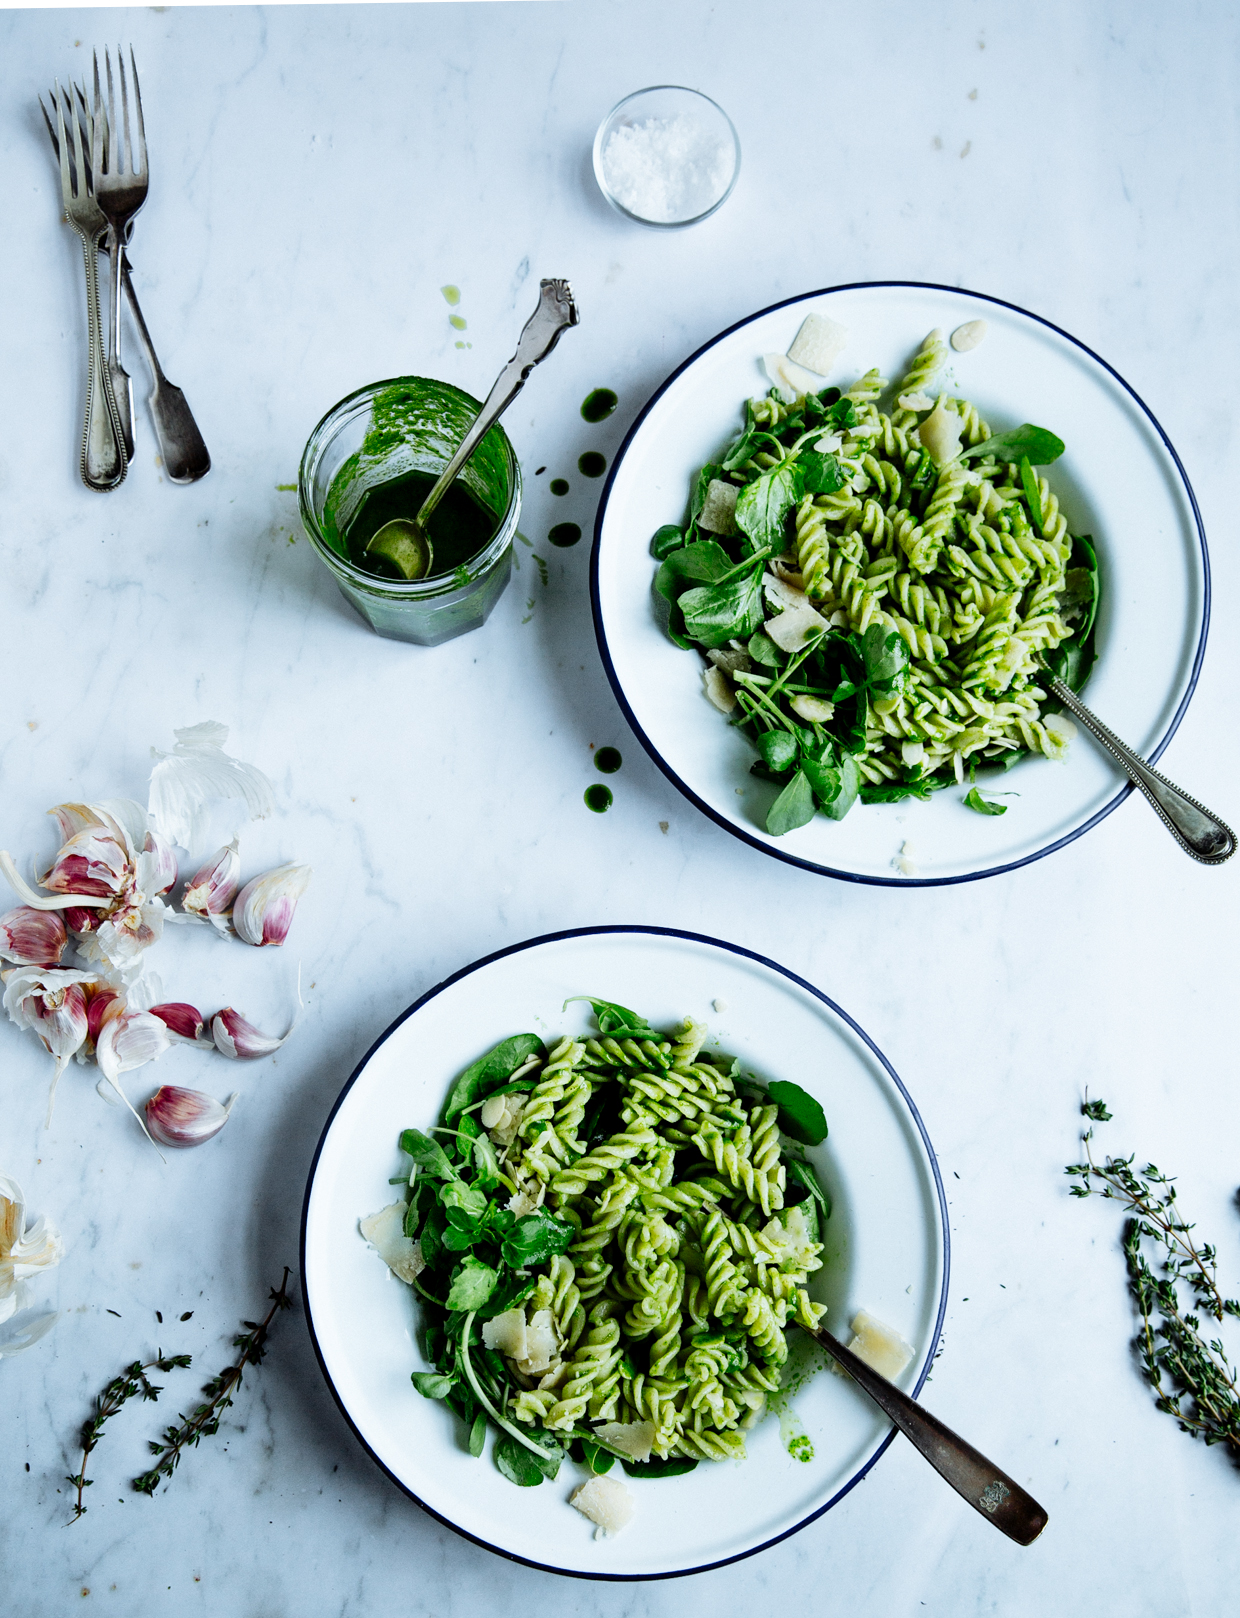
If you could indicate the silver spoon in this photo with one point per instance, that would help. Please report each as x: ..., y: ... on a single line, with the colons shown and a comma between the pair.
x: 555, y: 313
x: 1198, y: 832
x: 999, y: 1498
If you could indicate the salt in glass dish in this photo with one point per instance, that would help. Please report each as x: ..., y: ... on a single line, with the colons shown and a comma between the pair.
x: 679, y: 198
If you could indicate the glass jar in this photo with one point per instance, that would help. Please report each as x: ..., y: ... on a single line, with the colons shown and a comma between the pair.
x: 382, y: 432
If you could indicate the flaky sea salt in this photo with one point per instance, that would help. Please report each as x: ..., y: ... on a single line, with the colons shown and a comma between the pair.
x: 667, y: 169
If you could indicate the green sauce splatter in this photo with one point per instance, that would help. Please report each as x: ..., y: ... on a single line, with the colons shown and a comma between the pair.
x: 608, y: 760
x: 592, y: 464
x: 558, y: 485
x: 286, y: 488
x: 564, y: 534
x: 801, y: 1448
x: 598, y: 798
x: 451, y: 294
x: 597, y: 406
x: 459, y: 321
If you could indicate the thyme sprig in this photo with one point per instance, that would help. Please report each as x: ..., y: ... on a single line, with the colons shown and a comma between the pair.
x: 205, y: 1420
x: 132, y: 1382
x: 1190, y: 1373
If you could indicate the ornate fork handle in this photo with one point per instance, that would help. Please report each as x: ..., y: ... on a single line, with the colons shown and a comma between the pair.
x: 104, y: 462
x: 1198, y: 831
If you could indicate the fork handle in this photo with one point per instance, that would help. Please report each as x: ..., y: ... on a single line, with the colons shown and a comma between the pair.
x: 104, y: 462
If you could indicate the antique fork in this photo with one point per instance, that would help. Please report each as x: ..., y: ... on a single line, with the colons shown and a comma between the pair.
x: 184, y: 452
x: 104, y: 457
x: 120, y: 179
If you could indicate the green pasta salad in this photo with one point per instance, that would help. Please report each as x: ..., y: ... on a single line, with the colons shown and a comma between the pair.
x: 611, y: 1239
x: 878, y: 592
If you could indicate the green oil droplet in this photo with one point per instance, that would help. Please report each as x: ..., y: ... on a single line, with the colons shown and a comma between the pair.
x: 565, y: 534
x: 597, y: 406
x: 592, y: 464
x: 608, y: 760
x: 459, y: 321
x: 460, y: 344
x: 452, y: 295
x: 598, y: 798
x: 558, y: 485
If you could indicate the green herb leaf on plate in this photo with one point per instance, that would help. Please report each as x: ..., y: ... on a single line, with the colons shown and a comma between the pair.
x: 535, y: 1238
x: 478, y: 1434
x: 799, y: 1114
x: 598, y: 1459
x: 1038, y: 445
x: 472, y: 1285
x: 432, y: 1384
x: 763, y: 505
x: 614, y: 1019
x: 498, y: 1064
x: 1029, y: 483
x: 428, y: 1154
x: 983, y: 806
x: 674, y: 1467
x: 517, y: 1463
x: 778, y: 749
x: 665, y: 540
x: 717, y: 613
x: 794, y: 807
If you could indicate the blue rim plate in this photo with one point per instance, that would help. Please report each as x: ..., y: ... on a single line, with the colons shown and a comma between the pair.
x: 887, y: 1246
x: 1120, y: 480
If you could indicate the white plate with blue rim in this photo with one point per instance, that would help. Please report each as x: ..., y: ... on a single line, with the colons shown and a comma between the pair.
x: 886, y: 1247
x: 1120, y: 481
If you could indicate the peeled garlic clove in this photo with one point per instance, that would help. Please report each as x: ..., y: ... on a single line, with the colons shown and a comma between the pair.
x: 212, y: 889
x: 182, y: 1021
x: 238, y: 1039
x: 179, y: 1118
x: 265, y: 907
x: 32, y: 937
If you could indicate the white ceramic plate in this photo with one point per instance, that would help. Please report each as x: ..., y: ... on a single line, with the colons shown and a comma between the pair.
x: 1120, y: 480
x: 886, y: 1248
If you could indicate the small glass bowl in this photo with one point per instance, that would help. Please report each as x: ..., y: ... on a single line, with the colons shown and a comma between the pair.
x: 662, y: 103
x: 405, y: 424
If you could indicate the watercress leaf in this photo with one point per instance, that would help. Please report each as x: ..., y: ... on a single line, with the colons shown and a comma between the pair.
x: 778, y: 749
x: 478, y: 1434
x: 470, y: 1198
x: 517, y: 1463
x: 840, y: 412
x: 615, y: 1019
x: 458, y: 1239
x: 432, y: 1384
x: 499, y: 1063
x: 764, y: 650
x: 700, y: 563
x: 983, y: 806
x: 820, y: 474
x: 762, y: 506
x: 534, y: 1238
x: 746, y: 447
x: 703, y: 483
x: 549, y: 1462
x: 432, y: 1236
x: 717, y: 613
x: 835, y: 785
x: 511, y: 1291
x: 1036, y: 443
x: 800, y: 1171
x: 1033, y: 495
x: 886, y: 659
x: 472, y: 1285
x: 428, y: 1154
x: 597, y: 1458
x: 794, y: 807
x: 799, y: 1114
x: 675, y: 1466
x: 667, y: 539
x: 486, y: 1162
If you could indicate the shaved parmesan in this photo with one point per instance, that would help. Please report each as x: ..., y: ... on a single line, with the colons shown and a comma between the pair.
x: 819, y: 343
x: 718, y: 690
x: 507, y: 1333
x: 940, y: 433
x: 782, y: 593
x: 604, y: 1501
x: 790, y: 630
x: 633, y: 1438
x: 882, y: 1348
x: 385, y: 1231
x: 718, y: 513
x: 792, y: 380
x: 915, y: 401
x: 541, y: 1344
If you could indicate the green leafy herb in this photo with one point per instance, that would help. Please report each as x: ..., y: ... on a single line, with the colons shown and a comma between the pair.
x: 747, y: 446
x: 1029, y: 483
x: 472, y: 1285
x: 836, y: 782
x: 799, y: 1114
x: 517, y: 1463
x: 675, y: 1466
x: 478, y: 1434
x: 763, y: 505
x: 535, y: 1238
x: 428, y: 1154
x: 133, y: 1381
x: 667, y: 539
x: 598, y: 1459
x: 764, y: 650
x: 820, y: 474
x: 779, y: 750
x: 800, y: 1171
x: 704, y: 480
x: 1189, y: 1372
x: 432, y: 1384
x: 491, y: 1070
x: 983, y: 806
x: 885, y: 656
x: 613, y: 1019
x: 1035, y: 444
x: 794, y: 806
x: 730, y: 610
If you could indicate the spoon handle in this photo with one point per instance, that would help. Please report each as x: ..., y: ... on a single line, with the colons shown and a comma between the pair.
x: 998, y: 1497
x: 555, y: 313
x: 1198, y: 832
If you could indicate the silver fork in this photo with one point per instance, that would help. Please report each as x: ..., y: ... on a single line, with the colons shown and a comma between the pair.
x: 120, y: 178
x: 185, y: 455
x: 104, y: 457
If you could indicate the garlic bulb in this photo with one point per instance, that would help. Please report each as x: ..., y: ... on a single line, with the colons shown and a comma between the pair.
x: 263, y: 912
x: 179, y: 1118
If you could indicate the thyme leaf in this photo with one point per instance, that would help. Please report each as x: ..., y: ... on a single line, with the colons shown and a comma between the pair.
x: 132, y: 1382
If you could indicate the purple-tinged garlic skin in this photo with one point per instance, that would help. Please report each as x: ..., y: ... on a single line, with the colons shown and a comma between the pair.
x: 163, y: 863
x: 30, y: 937
x: 131, y: 1040
x: 213, y: 887
x: 264, y: 910
x: 180, y: 1118
x: 182, y: 1020
x: 238, y: 1039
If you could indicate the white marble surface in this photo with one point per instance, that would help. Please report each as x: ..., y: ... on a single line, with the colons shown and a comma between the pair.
x: 317, y: 175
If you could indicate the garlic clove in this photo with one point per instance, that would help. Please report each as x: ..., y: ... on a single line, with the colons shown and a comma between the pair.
x: 158, y: 871
x: 263, y: 912
x: 238, y: 1039
x: 180, y: 1118
x: 103, y: 1004
x: 182, y: 1021
x: 53, y: 1004
x: 213, y: 887
x: 31, y: 937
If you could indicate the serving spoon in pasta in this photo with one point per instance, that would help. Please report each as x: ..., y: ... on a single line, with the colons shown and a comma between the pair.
x: 999, y: 1498
x: 1198, y: 831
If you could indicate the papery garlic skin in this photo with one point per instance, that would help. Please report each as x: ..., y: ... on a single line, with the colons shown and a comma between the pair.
x: 24, y: 1250
x: 264, y: 909
x: 131, y: 1040
x: 103, y: 1003
x: 182, y: 1118
x: 30, y: 937
x: 162, y: 865
x: 53, y: 1004
x: 210, y: 892
x: 196, y: 771
x: 238, y: 1039
x: 182, y: 1021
